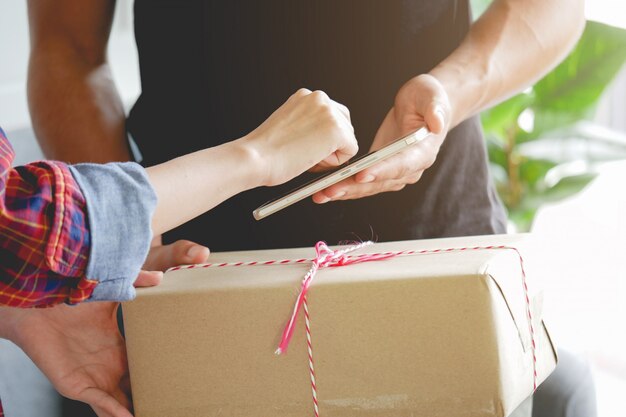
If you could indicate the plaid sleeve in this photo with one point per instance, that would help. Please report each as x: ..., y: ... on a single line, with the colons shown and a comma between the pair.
x: 44, y: 234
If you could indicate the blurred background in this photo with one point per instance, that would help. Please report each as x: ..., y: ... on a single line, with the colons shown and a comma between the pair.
x: 558, y: 157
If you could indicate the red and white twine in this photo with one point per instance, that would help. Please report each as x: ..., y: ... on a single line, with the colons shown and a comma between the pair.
x: 325, y: 258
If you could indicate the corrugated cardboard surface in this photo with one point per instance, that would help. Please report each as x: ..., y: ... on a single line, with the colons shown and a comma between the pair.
x: 427, y: 335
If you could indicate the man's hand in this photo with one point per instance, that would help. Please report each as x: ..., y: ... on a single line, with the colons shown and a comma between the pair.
x: 422, y: 101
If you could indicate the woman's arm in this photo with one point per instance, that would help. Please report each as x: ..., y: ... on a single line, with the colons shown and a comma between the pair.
x: 69, y: 233
x: 309, y: 129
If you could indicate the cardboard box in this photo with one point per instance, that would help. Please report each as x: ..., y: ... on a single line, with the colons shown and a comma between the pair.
x: 432, y: 335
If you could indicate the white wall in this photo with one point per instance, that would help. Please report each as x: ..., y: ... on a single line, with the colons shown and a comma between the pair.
x: 13, y: 62
x: 14, y: 49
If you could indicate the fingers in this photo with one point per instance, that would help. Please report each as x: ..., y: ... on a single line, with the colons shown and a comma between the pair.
x: 339, y: 111
x: 104, y: 404
x: 344, y: 112
x: 309, y: 130
x: 421, y: 101
x: 342, y: 143
x: 148, y: 278
x: 181, y: 252
x: 350, y: 189
x: 392, y: 174
x: 347, y: 145
x: 321, y: 100
x: 395, y: 167
x: 388, y: 131
x: 300, y: 93
x: 405, y: 164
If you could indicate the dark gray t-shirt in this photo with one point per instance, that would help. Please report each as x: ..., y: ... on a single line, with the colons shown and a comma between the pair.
x: 214, y: 70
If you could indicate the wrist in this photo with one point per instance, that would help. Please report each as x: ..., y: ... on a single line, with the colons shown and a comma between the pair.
x: 252, y: 157
x: 466, y: 90
x: 450, y: 83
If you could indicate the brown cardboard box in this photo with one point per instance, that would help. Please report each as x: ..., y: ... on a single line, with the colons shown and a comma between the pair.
x: 427, y: 335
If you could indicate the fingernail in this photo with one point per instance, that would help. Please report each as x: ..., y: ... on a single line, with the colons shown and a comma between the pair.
x: 195, y: 251
x: 367, y: 178
x: 339, y: 195
x: 324, y: 200
x: 441, y: 113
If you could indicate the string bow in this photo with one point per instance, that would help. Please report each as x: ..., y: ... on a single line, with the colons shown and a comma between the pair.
x: 325, y: 258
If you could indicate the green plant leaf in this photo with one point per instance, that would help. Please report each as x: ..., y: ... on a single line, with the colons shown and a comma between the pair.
x: 567, y: 187
x: 533, y: 171
x: 499, y: 119
x: 523, y: 215
x: 523, y: 218
x: 565, y: 96
x: 496, y: 152
x: 479, y: 7
x: 499, y: 176
x: 571, y: 91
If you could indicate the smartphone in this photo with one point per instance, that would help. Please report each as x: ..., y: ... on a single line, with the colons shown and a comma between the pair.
x: 339, y: 174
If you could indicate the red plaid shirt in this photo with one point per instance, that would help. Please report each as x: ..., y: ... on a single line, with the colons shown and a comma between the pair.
x: 44, y: 235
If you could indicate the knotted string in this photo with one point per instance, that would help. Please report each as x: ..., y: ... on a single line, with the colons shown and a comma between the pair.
x: 325, y: 258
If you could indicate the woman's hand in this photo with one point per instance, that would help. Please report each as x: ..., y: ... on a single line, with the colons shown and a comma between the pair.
x: 422, y: 101
x: 309, y: 131
x: 80, y: 350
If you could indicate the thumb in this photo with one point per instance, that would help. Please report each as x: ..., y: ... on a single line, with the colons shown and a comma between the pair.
x: 388, y: 131
x: 436, y: 118
x: 148, y: 278
x: 180, y: 252
x: 104, y: 404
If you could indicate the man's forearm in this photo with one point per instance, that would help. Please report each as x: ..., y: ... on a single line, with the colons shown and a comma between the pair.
x: 511, y: 46
x: 76, y: 111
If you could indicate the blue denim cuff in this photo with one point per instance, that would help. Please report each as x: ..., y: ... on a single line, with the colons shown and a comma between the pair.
x: 120, y: 205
